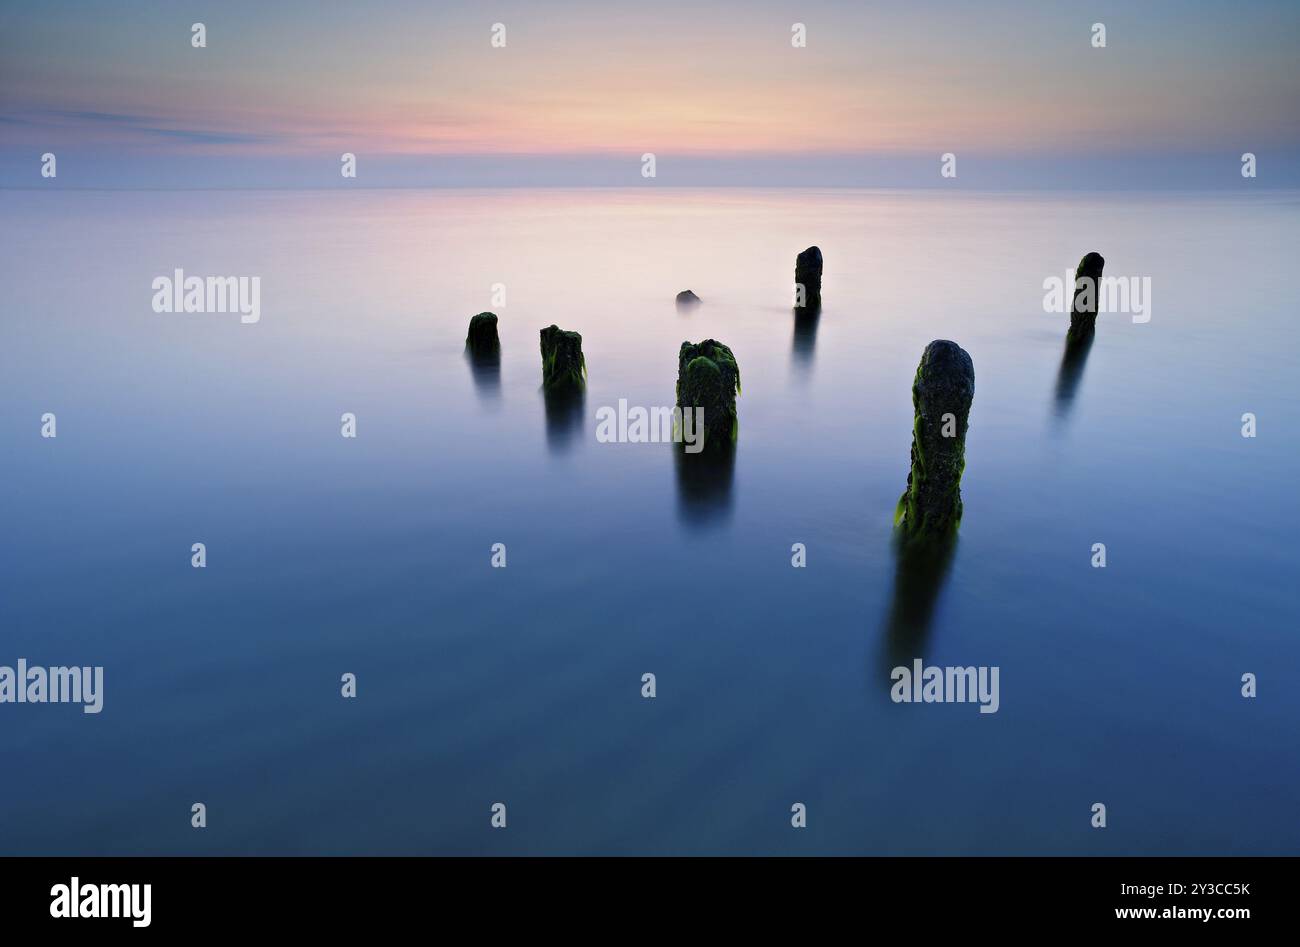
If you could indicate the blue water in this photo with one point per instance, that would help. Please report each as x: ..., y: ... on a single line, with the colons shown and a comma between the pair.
x: 522, y: 685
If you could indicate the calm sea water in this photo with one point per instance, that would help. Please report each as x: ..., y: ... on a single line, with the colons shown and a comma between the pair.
x: 479, y: 685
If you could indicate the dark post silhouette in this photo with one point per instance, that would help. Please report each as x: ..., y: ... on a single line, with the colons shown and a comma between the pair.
x: 808, y: 274
x: 1083, y: 308
x: 709, y: 378
x: 482, y: 338
x: 941, y: 398
x: 563, y: 364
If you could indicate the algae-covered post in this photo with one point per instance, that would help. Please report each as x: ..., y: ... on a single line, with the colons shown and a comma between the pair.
x: 709, y: 378
x: 941, y: 398
x: 1087, y: 285
x: 808, y: 279
x: 482, y: 338
x: 563, y: 364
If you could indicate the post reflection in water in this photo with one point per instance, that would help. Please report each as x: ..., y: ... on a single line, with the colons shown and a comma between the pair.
x: 921, y: 569
x: 704, y: 484
x: 1071, y: 373
x: 805, y: 337
x: 486, y: 369
x: 565, y: 413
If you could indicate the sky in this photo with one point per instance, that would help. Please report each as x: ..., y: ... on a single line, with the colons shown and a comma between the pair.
x: 715, y: 90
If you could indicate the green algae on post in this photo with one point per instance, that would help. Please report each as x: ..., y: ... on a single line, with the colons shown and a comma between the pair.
x: 482, y: 338
x: 1083, y: 308
x: 941, y: 398
x: 808, y: 279
x: 563, y: 364
x: 709, y: 378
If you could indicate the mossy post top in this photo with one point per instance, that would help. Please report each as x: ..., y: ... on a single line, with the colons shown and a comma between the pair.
x: 563, y: 364
x: 708, y: 380
x: 717, y: 353
x: 945, y: 377
x: 942, y: 392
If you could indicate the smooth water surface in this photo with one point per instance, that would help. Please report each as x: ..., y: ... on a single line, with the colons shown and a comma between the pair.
x: 522, y: 685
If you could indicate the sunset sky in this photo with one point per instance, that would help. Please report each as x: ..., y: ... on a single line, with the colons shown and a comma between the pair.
x: 582, y: 89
